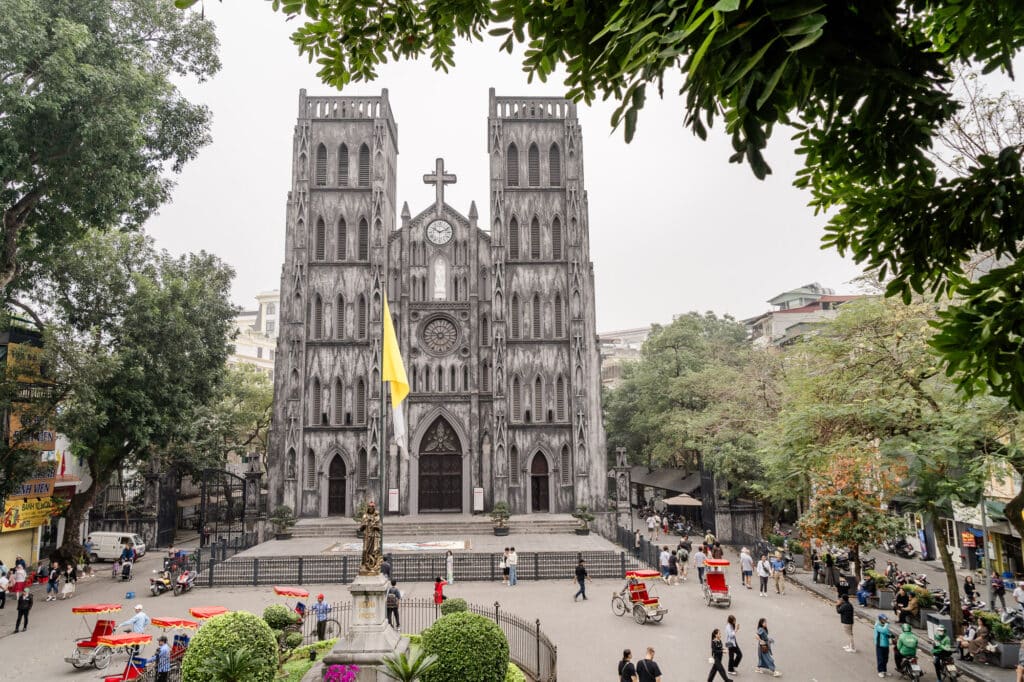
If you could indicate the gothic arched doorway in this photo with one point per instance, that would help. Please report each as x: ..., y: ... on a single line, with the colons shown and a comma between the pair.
x: 336, y: 476
x: 539, y: 475
x: 440, y: 474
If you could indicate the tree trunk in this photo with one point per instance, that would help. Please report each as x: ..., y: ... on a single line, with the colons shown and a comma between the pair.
x: 955, y: 610
x: 80, y: 502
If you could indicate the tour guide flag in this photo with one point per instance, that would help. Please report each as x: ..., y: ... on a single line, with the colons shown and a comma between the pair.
x: 393, y: 370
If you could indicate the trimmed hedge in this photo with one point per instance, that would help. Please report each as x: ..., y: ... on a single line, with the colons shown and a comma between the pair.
x: 227, y: 632
x: 468, y: 646
x: 279, y: 617
x: 453, y: 606
x: 514, y: 674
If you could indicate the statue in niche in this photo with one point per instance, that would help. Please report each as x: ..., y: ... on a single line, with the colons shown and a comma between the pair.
x: 440, y: 280
x: 623, y: 489
x: 370, y: 525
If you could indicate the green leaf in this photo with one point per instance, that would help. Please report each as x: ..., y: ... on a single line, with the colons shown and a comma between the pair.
x: 807, y: 40
x: 699, y: 55
x: 751, y: 63
x: 805, y: 25
x: 726, y: 5
x: 769, y: 87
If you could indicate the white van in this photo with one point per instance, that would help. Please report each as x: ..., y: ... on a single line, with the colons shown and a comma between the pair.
x: 107, y: 546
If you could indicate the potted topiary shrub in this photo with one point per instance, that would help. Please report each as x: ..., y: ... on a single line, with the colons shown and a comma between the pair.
x: 882, y: 592
x: 282, y: 519
x: 357, y: 516
x: 468, y: 646
x: 499, y: 515
x: 583, y: 515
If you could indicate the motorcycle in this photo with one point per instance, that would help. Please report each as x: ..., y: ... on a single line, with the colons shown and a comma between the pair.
x: 948, y: 667
x: 160, y: 584
x: 910, y: 669
x: 900, y: 547
x: 185, y: 582
x: 1014, y: 619
x: 868, y: 564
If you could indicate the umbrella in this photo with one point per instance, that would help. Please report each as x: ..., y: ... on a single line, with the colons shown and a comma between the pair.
x: 123, y: 639
x: 291, y: 592
x: 684, y: 500
x: 204, y: 612
x: 96, y: 608
x: 174, y: 623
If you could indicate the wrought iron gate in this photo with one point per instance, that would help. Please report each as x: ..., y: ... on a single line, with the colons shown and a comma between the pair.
x: 223, y: 506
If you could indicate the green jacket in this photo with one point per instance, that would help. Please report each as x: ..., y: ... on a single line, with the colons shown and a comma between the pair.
x: 942, y: 645
x: 907, y: 644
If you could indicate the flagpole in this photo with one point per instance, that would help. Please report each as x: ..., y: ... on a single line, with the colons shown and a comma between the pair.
x: 382, y: 463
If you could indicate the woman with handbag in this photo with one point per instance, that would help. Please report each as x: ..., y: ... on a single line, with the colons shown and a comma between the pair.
x: 732, y: 644
x: 765, y: 661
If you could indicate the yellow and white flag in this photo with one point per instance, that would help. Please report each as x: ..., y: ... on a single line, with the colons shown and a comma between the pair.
x: 393, y: 370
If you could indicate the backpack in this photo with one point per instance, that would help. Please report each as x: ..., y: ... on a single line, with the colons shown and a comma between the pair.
x: 392, y: 598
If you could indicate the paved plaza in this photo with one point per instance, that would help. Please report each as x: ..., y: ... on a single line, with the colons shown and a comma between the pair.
x: 589, y: 636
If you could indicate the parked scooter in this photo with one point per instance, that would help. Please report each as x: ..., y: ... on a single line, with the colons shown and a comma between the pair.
x: 160, y: 584
x: 1014, y: 619
x: 184, y: 583
x: 900, y: 547
x: 910, y: 668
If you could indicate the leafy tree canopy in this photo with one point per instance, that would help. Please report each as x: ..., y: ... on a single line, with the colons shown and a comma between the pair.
x: 864, y: 85
x: 90, y: 119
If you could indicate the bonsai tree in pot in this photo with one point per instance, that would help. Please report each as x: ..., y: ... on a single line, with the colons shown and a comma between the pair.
x: 282, y: 520
x: 499, y: 515
x: 583, y: 515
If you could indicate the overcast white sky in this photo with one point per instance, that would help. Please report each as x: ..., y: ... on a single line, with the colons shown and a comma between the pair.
x: 673, y: 226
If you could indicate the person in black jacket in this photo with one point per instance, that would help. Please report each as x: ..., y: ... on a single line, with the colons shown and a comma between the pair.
x: 845, y: 610
x: 717, y: 649
x: 24, y: 606
x: 627, y: 671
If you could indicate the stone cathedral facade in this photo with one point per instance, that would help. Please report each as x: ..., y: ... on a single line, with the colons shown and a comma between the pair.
x: 494, y: 316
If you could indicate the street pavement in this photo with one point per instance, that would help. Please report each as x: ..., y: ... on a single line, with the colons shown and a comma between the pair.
x: 589, y: 637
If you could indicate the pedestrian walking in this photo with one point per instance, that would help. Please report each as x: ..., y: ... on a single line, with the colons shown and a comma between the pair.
x: 513, y: 567
x: 70, y: 581
x: 385, y: 567
x: 673, y: 569
x: 162, y: 658
x: 746, y: 568
x: 779, y: 573
x: 581, y: 578
x: 663, y: 563
x: 392, y: 601
x: 764, y: 571
x: 321, y: 609
x: 732, y: 644
x: 717, y: 651
x: 24, y: 606
x: 503, y: 565
x: 53, y: 582
x: 657, y: 527
x: 648, y: 670
x: 650, y: 527
x: 716, y: 551
x: 998, y: 591
x: 1020, y: 662
x: 683, y: 559
x: 845, y: 610
x: 20, y: 578
x: 636, y: 543
x: 627, y: 671
x: 830, y: 569
x: 883, y: 640
x: 449, y: 566
x: 765, y: 659
x: 439, y: 595
x: 4, y: 584
x: 699, y: 559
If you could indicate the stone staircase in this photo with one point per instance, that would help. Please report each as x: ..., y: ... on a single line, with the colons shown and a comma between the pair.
x: 428, y: 526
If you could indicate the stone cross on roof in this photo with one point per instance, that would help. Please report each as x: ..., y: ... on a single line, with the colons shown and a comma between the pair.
x: 439, y: 179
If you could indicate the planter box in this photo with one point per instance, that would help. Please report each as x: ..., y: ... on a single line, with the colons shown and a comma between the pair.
x: 1005, y: 655
x: 934, y: 620
x: 582, y: 531
x: 500, y: 531
x: 921, y: 620
x: 282, y: 536
x: 885, y: 598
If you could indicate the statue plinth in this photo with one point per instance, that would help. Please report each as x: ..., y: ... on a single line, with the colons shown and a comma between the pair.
x: 370, y: 639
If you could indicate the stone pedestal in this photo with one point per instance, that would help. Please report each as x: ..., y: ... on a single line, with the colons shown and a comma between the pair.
x: 370, y: 637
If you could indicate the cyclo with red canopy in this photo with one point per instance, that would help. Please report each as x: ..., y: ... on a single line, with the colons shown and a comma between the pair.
x: 637, y: 598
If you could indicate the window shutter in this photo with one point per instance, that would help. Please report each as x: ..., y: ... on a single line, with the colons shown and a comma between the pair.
x: 515, y: 316
x: 555, y: 165
x: 538, y: 400
x: 339, y: 402
x: 316, y: 404
x: 310, y: 470
x: 320, y: 174
x: 360, y: 402
x: 364, y: 240
x: 556, y: 239
x: 362, y: 317
x: 560, y: 399
x: 343, y: 165
x: 513, y: 239
x: 536, y: 331
x: 517, y: 403
x: 320, y: 238
x: 533, y: 161
x: 535, y: 239
x: 318, y: 318
x: 342, y: 245
x: 566, y: 466
x: 364, y: 166
x: 513, y: 465
x: 559, y: 331
x: 339, y: 318
x: 512, y: 166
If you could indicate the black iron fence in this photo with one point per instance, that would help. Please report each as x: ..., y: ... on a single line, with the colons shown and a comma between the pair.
x: 529, y: 648
x: 215, y: 552
x: 215, y: 572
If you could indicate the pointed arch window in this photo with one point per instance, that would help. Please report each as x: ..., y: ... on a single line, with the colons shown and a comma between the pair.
x: 343, y: 165
x: 517, y: 400
x: 290, y: 471
x: 512, y: 166
x: 533, y: 163
x: 362, y: 468
x: 555, y: 165
x: 426, y: 378
x: 536, y: 326
x: 339, y: 402
x: 310, y: 470
x: 513, y: 239
x: 294, y: 393
x: 556, y: 239
x: 538, y: 399
x: 316, y: 402
x: 566, y: 466
x: 360, y: 402
x: 339, y: 317
x: 453, y: 386
x: 364, y: 240
x: 513, y: 465
x: 364, y: 166
x: 320, y: 240
x: 485, y: 330
x: 440, y: 379
x: 560, y: 399
x: 320, y: 174
x: 514, y: 316
x: 361, y: 320
x: 341, y: 247
x: 318, y: 318
x: 535, y: 239
x: 465, y: 379
x: 412, y: 376
x: 485, y: 377
x: 559, y: 326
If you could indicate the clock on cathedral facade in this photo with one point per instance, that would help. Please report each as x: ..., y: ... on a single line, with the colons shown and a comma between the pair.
x: 494, y: 317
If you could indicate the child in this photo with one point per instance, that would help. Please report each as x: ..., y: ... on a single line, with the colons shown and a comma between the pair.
x: 439, y: 590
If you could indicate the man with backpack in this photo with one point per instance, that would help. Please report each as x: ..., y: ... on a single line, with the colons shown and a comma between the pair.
x: 391, y: 601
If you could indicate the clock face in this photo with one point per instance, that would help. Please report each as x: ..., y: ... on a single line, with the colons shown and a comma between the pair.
x: 439, y: 232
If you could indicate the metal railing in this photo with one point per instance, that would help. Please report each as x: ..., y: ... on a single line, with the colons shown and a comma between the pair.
x: 409, y: 568
x: 529, y: 648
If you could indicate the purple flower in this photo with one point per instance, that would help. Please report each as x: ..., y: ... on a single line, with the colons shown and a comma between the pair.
x: 341, y: 673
